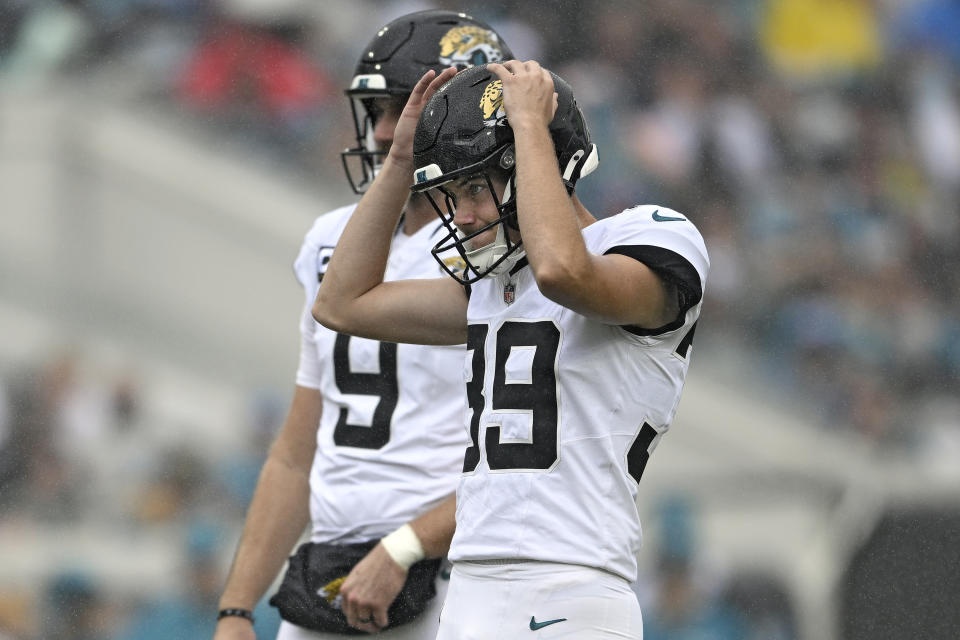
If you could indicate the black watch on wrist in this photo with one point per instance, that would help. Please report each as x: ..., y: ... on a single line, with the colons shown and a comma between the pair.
x: 236, y: 613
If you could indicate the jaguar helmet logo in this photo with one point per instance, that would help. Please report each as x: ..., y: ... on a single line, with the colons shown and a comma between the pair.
x: 469, y: 46
x: 491, y: 103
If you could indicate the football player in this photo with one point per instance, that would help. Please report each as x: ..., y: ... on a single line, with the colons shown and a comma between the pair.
x: 373, y: 442
x: 578, y: 333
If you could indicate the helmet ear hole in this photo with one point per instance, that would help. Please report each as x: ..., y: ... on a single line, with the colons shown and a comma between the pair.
x: 508, y: 158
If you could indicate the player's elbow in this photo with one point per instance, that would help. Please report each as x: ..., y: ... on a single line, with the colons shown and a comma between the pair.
x: 559, y: 280
x: 326, y: 313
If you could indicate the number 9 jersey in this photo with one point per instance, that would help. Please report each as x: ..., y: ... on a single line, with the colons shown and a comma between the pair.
x: 391, y: 436
x: 565, y: 410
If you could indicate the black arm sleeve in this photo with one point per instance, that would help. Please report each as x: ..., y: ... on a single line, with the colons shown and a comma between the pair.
x: 673, y: 268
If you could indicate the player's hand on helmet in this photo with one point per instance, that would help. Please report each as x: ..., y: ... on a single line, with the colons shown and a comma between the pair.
x: 234, y: 628
x: 529, y: 98
x: 401, y: 151
x: 370, y: 589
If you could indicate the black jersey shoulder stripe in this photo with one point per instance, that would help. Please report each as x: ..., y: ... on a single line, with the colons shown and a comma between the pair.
x: 672, y: 267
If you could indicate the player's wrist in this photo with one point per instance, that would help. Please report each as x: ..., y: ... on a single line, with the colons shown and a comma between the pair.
x: 527, y: 123
x: 404, y: 546
x: 399, y: 162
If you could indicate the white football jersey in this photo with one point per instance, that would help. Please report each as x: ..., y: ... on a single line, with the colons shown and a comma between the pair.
x: 391, y: 438
x: 565, y: 410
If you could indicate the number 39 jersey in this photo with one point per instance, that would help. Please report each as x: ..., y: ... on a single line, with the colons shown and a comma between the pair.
x: 391, y: 437
x: 564, y: 410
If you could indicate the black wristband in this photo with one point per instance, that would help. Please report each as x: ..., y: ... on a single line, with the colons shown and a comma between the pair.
x: 237, y: 613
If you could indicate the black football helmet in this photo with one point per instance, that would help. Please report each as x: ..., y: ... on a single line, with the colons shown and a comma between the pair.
x: 463, y: 132
x: 393, y: 62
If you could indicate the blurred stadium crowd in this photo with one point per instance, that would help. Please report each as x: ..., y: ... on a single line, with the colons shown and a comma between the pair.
x: 816, y: 143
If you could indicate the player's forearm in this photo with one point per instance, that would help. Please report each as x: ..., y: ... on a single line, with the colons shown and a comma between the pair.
x: 360, y: 259
x: 428, y: 536
x: 435, y: 528
x: 547, y: 217
x: 277, y: 516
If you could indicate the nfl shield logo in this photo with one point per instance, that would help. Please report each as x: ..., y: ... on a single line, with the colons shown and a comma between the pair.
x: 508, y: 290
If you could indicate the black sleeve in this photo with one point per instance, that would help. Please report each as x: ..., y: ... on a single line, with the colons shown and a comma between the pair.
x: 673, y: 268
